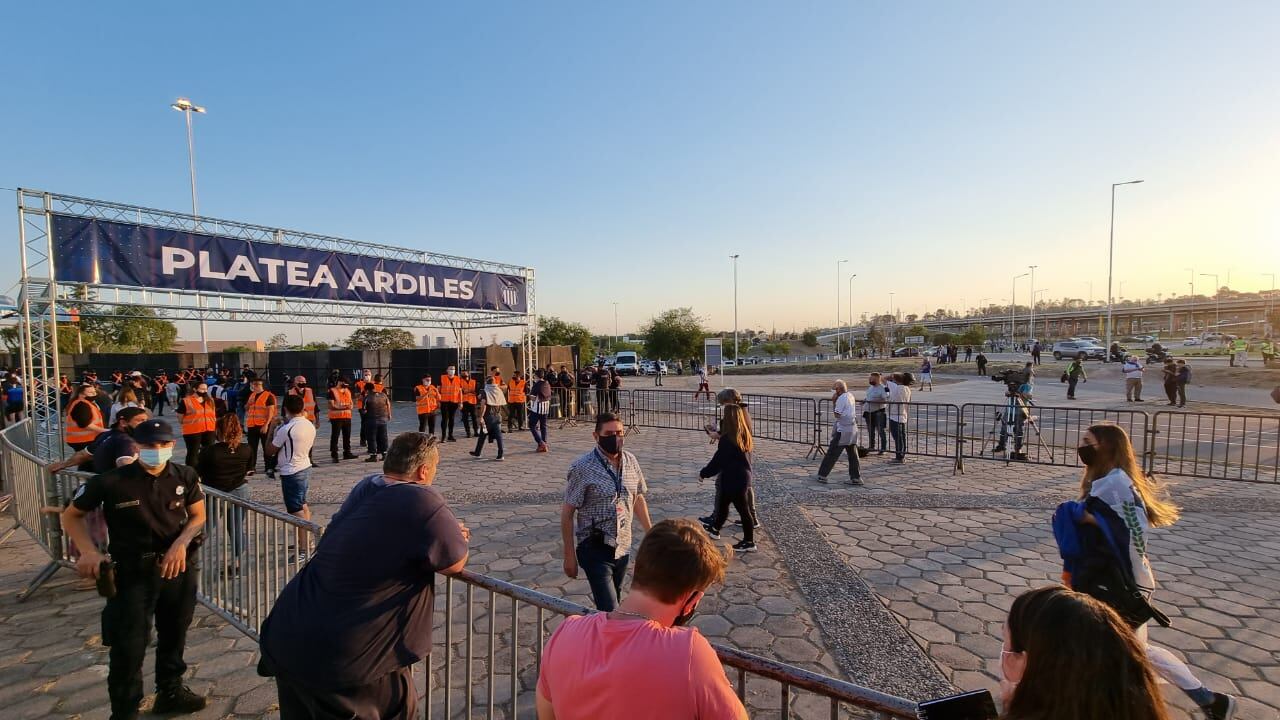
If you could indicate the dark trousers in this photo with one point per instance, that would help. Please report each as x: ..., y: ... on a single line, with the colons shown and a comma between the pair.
x: 604, y: 572
x: 515, y: 416
x: 741, y: 501
x: 469, y: 418
x: 833, y: 454
x: 258, y: 437
x: 377, y: 441
x: 157, y: 404
x: 1018, y: 427
x: 1071, y: 385
x: 427, y: 422
x: 1171, y: 392
x: 340, y: 427
x: 447, y: 412
x: 538, y: 427
x: 877, y: 426
x: 751, y: 501
x: 391, y: 696
x: 899, y: 432
x: 1182, y: 393
x: 492, y: 432
x: 126, y: 627
x: 602, y: 400
x: 364, y: 428
x: 657, y: 379
x: 195, y: 443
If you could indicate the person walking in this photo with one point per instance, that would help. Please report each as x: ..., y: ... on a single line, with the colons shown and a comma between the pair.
x: 377, y: 412
x: 926, y: 373
x: 540, y: 408
x: 1169, y: 379
x: 1035, y: 353
x: 1119, y: 504
x: 158, y: 395
x: 291, y: 442
x: 340, y: 406
x: 1184, y: 379
x: 1240, y: 352
x: 350, y: 654
x: 982, y: 363
x: 259, y: 410
x: 516, y: 398
x: 703, y: 385
x: 199, y: 420
x: 657, y: 374
x: 1132, y: 370
x: 604, y: 493
x: 489, y: 417
x: 844, y: 434
x: 1268, y: 352
x: 874, y: 404
x: 731, y: 466
x: 468, y: 385
x: 426, y: 397
x: 726, y: 397
x: 968, y: 353
x: 223, y: 467
x: 615, y: 386
x: 450, y: 400
x: 126, y: 398
x: 899, y: 400
x: 1075, y: 373
x: 154, y: 510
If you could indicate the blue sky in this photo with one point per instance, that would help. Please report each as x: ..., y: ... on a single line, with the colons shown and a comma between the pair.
x: 626, y: 151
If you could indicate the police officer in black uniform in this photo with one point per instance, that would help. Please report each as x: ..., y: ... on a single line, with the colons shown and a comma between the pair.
x: 154, y: 510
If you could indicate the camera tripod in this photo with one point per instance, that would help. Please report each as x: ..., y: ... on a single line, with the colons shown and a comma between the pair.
x: 1017, y: 411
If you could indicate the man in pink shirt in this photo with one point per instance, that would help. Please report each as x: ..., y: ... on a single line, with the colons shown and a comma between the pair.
x: 639, y: 661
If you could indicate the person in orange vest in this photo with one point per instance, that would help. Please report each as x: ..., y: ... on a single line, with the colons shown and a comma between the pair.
x: 515, y: 402
x: 84, y: 421
x: 308, y: 399
x: 427, y: 397
x: 469, y: 403
x: 199, y: 419
x: 450, y: 399
x: 340, y: 405
x: 259, y: 409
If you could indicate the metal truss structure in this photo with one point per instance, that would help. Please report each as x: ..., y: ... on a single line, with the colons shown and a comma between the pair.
x: 41, y: 293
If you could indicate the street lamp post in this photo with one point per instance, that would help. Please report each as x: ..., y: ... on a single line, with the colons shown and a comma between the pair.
x: 851, y: 277
x: 736, y: 361
x: 1031, y: 323
x: 615, y: 327
x: 1111, y: 259
x: 186, y: 107
x: 1271, y: 299
x: 1217, y: 300
x: 838, y: 264
x: 1013, y: 309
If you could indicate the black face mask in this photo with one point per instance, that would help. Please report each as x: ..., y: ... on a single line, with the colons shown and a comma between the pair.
x: 1088, y: 454
x: 682, y: 620
x: 611, y: 444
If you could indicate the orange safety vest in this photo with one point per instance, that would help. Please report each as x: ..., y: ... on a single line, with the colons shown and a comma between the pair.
x: 468, y: 390
x: 73, y: 433
x: 258, y: 413
x: 450, y: 389
x: 343, y: 396
x: 360, y: 386
x: 308, y: 403
x: 198, y: 417
x: 428, y: 399
x: 515, y: 391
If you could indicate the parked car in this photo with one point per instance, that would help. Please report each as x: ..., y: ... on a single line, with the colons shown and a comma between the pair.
x: 909, y: 351
x: 655, y: 367
x: 1191, y: 341
x: 1078, y: 349
x: 627, y: 363
x: 1089, y: 339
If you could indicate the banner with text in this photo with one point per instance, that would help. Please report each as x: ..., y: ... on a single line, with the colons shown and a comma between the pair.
x: 102, y: 252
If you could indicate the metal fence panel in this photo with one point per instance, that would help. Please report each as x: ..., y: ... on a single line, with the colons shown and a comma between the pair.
x: 673, y: 409
x: 1212, y: 445
x: 1049, y: 437
x: 931, y: 427
x: 783, y: 418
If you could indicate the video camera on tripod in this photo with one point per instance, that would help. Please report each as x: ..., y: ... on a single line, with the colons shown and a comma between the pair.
x: 1013, y: 381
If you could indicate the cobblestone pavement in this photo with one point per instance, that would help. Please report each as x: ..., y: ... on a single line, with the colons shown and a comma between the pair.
x: 900, y: 586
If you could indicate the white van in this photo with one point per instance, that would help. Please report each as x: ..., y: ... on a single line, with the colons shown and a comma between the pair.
x: 627, y: 363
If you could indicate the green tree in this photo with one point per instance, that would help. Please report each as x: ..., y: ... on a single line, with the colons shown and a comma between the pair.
x: 776, y: 348
x: 942, y: 338
x: 379, y: 339
x: 123, y: 328
x: 554, y: 331
x: 317, y: 345
x: 279, y: 341
x: 810, y: 337
x: 238, y: 349
x: 876, y: 338
x: 975, y: 335
x: 744, y: 347
x: 674, y: 334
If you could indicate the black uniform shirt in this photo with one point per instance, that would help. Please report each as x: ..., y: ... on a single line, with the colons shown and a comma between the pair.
x: 144, y: 513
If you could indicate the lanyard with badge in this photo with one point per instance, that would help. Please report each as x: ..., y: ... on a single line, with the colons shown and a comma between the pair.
x: 624, y: 516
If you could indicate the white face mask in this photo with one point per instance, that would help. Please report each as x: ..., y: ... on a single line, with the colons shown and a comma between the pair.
x: 450, y: 371
x: 154, y: 457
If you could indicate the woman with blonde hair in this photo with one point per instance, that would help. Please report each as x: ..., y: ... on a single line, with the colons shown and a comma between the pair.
x: 1132, y: 504
x: 732, y: 463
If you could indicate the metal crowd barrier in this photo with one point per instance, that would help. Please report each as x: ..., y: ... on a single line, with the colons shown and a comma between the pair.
x: 931, y: 428
x: 1212, y: 445
x: 487, y: 655
x: 1049, y: 437
x: 783, y: 418
x: 673, y: 409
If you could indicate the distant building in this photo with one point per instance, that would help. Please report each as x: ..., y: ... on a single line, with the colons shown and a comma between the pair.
x: 193, y: 346
x: 437, y: 341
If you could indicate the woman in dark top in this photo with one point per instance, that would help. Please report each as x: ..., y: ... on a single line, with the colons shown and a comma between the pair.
x: 224, y: 466
x: 732, y: 462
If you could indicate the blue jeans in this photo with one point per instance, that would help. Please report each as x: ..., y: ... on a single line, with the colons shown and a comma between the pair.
x: 899, y: 432
x: 877, y: 423
x: 604, y: 572
x: 538, y: 427
x: 377, y: 439
x: 493, y: 432
x: 294, y: 489
x: 237, y: 532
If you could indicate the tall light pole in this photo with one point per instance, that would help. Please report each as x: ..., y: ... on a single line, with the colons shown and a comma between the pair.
x: 1271, y: 299
x: 893, y: 324
x: 615, y: 327
x: 838, y: 264
x: 851, y: 277
x: 1013, y: 308
x: 186, y: 107
x: 736, y: 361
x: 1217, y: 298
x: 1111, y: 260
x: 1031, y: 324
